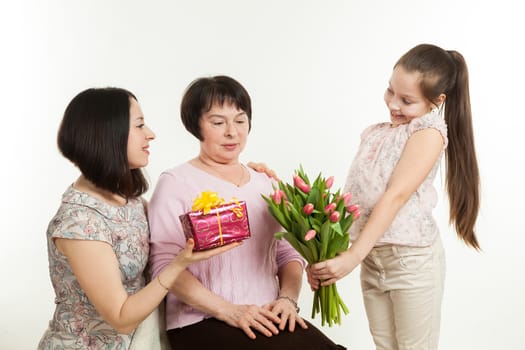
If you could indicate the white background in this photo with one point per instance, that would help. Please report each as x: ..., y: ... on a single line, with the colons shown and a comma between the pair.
x: 316, y: 71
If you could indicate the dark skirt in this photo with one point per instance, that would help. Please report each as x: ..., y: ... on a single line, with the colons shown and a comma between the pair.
x: 214, y: 334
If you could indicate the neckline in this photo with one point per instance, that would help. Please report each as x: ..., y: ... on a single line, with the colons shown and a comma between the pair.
x: 215, y: 176
x: 78, y: 197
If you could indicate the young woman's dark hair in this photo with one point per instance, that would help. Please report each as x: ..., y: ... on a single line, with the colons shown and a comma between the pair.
x: 203, y: 93
x: 94, y: 136
x: 446, y: 72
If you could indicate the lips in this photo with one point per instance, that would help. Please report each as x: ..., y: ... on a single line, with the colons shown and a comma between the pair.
x: 229, y: 145
x: 393, y: 114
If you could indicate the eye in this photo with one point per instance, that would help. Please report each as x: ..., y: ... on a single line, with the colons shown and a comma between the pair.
x: 389, y: 91
x: 217, y: 123
x: 140, y: 126
x: 407, y: 102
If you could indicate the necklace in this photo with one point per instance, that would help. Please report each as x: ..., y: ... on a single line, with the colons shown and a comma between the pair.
x: 237, y: 181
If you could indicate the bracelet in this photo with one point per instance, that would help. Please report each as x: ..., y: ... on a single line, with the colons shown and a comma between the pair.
x: 163, y: 286
x: 294, y: 303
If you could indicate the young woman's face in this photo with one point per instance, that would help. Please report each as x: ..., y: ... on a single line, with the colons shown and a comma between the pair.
x: 224, y: 130
x: 139, y: 137
x: 403, y: 97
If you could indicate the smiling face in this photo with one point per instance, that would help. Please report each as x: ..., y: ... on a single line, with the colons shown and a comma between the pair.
x: 224, y: 129
x: 404, y: 98
x: 139, y: 137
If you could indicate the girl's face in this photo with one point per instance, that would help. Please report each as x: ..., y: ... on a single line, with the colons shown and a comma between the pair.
x: 139, y: 137
x: 403, y: 97
x: 224, y: 131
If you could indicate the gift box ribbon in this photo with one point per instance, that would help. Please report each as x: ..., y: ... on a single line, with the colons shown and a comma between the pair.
x: 209, y: 200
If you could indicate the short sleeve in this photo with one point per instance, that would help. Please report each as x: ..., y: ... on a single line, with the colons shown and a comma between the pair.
x: 368, y: 130
x: 81, y: 223
x: 429, y: 120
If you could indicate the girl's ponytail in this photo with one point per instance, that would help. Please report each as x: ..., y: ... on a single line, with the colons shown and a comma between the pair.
x: 462, y: 180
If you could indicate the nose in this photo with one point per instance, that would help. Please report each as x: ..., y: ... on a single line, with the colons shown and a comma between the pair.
x: 231, y: 129
x: 150, y: 135
x: 392, y: 105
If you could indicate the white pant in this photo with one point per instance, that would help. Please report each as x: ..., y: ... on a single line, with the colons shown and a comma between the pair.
x: 402, y: 291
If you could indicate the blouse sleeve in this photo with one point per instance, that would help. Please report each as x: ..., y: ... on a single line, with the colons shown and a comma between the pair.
x: 84, y: 224
x: 286, y: 253
x: 167, y: 237
x: 367, y: 131
x: 429, y: 120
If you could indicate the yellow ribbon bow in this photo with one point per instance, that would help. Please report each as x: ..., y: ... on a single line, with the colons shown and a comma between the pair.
x: 207, y: 201
x: 237, y: 210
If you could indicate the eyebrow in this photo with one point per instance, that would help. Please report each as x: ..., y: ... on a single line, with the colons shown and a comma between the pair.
x: 223, y: 116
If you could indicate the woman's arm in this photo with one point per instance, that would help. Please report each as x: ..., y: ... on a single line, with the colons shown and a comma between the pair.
x: 290, y: 281
x: 419, y: 156
x: 97, y: 270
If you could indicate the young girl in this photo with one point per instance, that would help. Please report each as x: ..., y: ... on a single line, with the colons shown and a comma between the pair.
x: 98, y: 241
x: 396, y: 240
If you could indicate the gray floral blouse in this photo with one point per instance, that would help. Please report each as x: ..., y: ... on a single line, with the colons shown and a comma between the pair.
x: 76, y: 324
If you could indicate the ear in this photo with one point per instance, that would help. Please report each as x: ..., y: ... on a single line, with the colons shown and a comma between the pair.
x: 440, y: 99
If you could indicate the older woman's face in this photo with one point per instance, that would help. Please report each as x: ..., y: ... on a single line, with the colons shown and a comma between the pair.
x: 224, y: 129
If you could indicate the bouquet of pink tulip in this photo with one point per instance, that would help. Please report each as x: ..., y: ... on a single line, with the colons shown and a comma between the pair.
x: 316, y: 223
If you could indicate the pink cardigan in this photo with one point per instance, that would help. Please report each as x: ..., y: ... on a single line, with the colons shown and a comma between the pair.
x: 244, y: 275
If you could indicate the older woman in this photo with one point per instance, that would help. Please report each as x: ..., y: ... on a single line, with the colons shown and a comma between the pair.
x: 245, y: 298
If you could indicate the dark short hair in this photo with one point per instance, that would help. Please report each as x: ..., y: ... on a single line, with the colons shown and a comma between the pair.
x: 203, y: 93
x: 94, y: 134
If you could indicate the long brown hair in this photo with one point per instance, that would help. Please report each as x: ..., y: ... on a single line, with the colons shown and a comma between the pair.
x: 445, y: 72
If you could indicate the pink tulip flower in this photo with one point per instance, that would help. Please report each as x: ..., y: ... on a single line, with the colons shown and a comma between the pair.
x: 357, y: 214
x: 308, y: 208
x: 309, y: 235
x: 277, y: 196
x: 329, y: 182
x: 300, y: 184
x: 347, y: 198
x: 352, y: 208
x: 335, y: 216
x: 330, y: 208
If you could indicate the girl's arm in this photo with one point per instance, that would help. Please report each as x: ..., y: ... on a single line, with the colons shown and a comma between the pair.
x: 263, y: 168
x: 419, y: 156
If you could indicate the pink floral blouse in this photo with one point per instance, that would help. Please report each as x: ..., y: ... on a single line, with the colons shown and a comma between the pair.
x: 76, y: 324
x: 380, y: 150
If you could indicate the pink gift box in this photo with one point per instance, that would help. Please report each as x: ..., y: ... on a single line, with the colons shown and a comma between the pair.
x: 224, y: 224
